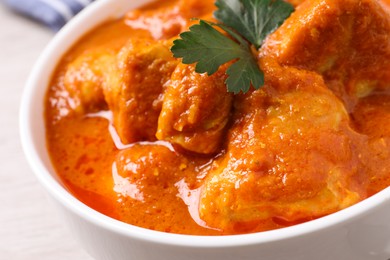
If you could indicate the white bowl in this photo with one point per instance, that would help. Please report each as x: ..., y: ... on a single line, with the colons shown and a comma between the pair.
x: 360, y: 232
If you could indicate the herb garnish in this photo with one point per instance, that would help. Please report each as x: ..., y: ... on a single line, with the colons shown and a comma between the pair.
x: 247, y: 22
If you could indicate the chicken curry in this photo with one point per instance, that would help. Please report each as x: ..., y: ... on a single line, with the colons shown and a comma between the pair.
x: 141, y: 137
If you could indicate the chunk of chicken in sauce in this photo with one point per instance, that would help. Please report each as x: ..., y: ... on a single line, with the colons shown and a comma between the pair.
x: 85, y: 78
x: 347, y: 41
x: 196, y: 110
x: 371, y: 116
x: 289, y: 157
x: 167, y: 19
x: 146, y: 172
x: 135, y: 86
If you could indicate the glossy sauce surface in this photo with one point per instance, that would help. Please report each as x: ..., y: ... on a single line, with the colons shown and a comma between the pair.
x: 142, y: 138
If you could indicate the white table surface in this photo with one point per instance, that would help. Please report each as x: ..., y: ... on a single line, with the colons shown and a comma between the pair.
x: 29, y: 227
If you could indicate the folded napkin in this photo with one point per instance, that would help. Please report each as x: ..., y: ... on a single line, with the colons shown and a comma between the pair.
x: 53, y: 13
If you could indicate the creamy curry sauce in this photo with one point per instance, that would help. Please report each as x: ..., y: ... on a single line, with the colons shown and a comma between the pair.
x: 142, y: 138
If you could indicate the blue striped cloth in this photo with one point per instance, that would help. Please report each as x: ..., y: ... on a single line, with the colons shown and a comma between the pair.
x: 53, y: 13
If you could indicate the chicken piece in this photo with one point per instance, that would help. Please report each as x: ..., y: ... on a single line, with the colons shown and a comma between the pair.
x: 135, y: 86
x: 347, y: 41
x: 141, y: 170
x: 289, y: 156
x: 149, y: 180
x: 195, y: 111
x: 170, y: 17
x: 385, y: 2
x: 84, y: 80
x: 372, y: 118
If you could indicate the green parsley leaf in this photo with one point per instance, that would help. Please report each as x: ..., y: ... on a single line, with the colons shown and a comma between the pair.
x: 244, y: 73
x: 253, y: 19
x: 206, y: 46
x: 211, y: 49
x: 245, y: 21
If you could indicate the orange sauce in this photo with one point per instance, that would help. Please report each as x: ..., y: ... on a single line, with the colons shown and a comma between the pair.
x: 274, y: 175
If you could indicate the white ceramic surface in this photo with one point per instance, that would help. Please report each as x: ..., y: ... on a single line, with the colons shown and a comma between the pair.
x: 361, y: 232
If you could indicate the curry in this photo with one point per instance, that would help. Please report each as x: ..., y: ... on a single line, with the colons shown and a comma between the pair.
x: 141, y: 137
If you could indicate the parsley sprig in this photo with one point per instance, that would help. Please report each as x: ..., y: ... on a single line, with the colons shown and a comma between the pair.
x: 247, y: 22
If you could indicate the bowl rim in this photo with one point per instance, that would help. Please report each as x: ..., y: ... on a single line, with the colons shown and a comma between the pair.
x: 56, y: 190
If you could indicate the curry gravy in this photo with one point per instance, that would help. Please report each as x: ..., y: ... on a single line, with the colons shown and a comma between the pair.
x: 142, y: 138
